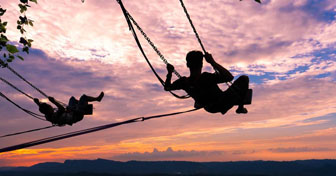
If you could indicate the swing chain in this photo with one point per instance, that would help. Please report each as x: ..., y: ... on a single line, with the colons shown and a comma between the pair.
x: 131, y: 28
x: 192, y: 25
x: 151, y: 43
x: 196, y: 33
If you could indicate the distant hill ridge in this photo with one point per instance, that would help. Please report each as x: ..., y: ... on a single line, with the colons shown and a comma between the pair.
x: 302, y: 167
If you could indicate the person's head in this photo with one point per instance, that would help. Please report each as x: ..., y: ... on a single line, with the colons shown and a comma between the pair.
x: 195, y: 59
x: 46, y: 109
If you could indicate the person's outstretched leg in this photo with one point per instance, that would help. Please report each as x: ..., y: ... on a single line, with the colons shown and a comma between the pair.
x: 83, y: 105
x: 240, y: 87
x: 90, y: 99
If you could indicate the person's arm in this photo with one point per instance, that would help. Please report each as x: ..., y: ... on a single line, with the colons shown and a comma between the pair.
x: 59, y: 106
x: 168, y: 85
x: 225, y: 74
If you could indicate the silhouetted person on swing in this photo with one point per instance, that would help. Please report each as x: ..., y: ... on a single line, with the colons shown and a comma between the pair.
x: 74, y: 112
x: 203, y: 88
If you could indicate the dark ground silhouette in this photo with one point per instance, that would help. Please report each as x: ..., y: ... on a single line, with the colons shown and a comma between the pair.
x: 101, y: 167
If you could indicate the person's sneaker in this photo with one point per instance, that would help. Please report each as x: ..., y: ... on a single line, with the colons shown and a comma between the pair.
x: 100, y: 97
x: 241, y: 111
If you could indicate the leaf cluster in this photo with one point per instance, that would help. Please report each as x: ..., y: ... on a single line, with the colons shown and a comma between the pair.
x: 10, y: 52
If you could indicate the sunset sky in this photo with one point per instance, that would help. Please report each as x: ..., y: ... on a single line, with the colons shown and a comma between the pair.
x: 288, y: 49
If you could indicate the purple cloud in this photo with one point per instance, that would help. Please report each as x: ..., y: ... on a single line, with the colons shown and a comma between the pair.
x: 298, y: 149
x: 168, y: 154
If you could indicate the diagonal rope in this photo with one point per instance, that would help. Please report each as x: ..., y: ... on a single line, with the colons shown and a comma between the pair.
x: 28, y: 131
x: 86, y: 131
x: 38, y: 116
x: 3, y: 64
x: 14, y: 87
x: 18, y: 75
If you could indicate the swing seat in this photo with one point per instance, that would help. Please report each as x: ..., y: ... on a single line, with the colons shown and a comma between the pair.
x: 88, y: 109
